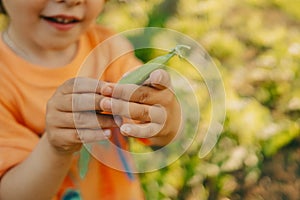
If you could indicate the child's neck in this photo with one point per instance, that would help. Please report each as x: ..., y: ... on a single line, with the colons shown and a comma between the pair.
x: 50, y: 58
x: 55, y: 58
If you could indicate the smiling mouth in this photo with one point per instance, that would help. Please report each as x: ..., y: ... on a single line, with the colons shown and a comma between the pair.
x: 61, y: 20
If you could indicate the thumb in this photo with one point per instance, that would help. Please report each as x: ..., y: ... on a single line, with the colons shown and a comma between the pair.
x: 159, y: 79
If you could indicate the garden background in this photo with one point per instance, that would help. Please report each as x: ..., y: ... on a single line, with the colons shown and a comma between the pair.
x: 256, y: 46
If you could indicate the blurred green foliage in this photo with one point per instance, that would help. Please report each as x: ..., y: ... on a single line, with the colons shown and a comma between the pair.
x: 256, y: 46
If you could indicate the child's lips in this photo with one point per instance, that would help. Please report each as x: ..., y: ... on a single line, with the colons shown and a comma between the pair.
x: 61, y: 22
x: 62, y: 19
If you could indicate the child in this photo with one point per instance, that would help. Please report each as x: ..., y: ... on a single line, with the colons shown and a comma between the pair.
x: 46, y: 111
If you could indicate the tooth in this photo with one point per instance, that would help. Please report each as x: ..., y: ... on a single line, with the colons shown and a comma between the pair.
x: 59, y: 19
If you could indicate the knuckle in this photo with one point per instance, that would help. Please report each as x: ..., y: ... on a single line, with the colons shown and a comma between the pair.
x: 75, y: 100
x: 70, y: 83
x: 143, y: 97
x: 62, y: 141
x: 49, y: 118
x: 144, y: 113
x: 68, y: 99
x: 118, y: 108
x: 78, y: 119
x: 50, y: 104
x: 118, y: 91
x: 67, y: 120
x: 121, y: 92
x: 53, y: 139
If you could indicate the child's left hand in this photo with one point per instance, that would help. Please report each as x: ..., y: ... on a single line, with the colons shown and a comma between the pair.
x: 153, y: 105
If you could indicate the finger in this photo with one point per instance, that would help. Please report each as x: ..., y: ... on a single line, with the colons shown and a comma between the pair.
x: 151, y: 96
x: 140, y: 94
x: 81, y: 85
x: 92, y: 120
x: 65, y: 140
x: 141, y: 130
x: 85, y: 120
x: 70, y: 140
x: 64, y: 136
x: 89, y: 136
x: 80, y: 102
x: 159, y: 79
x: 136, y: 111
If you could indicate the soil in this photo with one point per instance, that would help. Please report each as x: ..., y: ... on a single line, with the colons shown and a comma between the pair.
x: 280, y: 178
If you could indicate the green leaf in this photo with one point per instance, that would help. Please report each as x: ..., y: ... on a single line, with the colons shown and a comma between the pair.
x: 84, y: 162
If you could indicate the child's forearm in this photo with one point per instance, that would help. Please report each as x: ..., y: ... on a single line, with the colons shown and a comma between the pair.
x: 38, y: 177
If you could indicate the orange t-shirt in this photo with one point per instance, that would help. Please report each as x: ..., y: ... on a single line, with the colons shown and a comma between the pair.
x: 25, y: 90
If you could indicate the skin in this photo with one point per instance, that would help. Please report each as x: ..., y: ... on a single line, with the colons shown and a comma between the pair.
x: 43, y: 43
x: 153, y: 105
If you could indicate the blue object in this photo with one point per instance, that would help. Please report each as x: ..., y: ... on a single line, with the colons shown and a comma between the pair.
x: 71, y: 195
x: 123, y: 159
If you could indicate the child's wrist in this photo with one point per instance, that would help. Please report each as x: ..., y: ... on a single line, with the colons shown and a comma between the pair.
x: 61, y: 151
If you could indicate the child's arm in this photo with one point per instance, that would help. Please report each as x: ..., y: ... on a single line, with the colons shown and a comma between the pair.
x: 38, y: 177
x: 69, y: 110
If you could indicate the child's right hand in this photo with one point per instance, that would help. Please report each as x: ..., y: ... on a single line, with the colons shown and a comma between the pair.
x: 71, y: 118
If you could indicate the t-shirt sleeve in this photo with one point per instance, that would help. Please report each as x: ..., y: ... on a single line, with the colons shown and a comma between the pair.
x: 16, y: 141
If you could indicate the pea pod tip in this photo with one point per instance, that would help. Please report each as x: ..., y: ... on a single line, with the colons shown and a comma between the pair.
x: 178, y: 49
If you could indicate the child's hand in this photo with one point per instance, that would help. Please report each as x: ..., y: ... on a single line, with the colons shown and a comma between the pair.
x: 153, y: 105
x: 71, y: 118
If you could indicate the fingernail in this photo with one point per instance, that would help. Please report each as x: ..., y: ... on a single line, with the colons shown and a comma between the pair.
x: 156, y: 76
x: 107, y: 133
x: 106, y: 105
x: 126, y: 128
x: 107, y: 90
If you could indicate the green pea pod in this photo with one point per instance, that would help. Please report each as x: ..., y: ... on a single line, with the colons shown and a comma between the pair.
x: 139, y: 75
